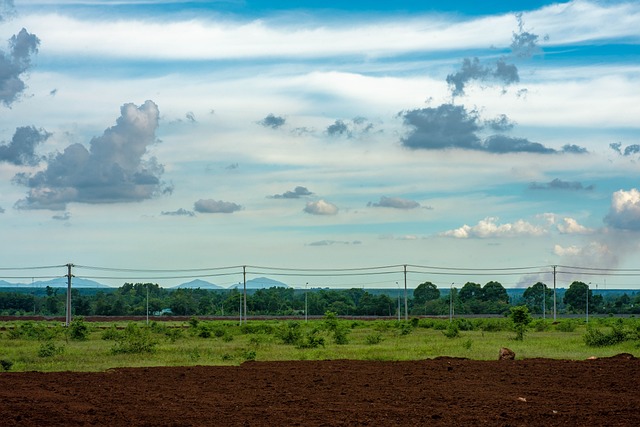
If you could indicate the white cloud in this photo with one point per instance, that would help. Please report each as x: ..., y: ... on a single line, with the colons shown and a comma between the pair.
x: 488, y: 227
x: 321, y: 207
x: 625, y: 210
x: 571, y: 226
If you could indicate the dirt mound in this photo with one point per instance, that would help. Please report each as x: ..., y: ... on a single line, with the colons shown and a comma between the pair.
x: 445, y: 392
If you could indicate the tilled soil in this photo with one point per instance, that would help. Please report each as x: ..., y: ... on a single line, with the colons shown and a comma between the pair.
x: 440, y: 392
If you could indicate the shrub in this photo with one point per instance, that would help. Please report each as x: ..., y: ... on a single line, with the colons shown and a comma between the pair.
x: 373, y: 339
x: 34, y: 331
x: 134, y: 340
x: 540, y: 325
x: 78, y: 329
x: 618, y: 333
x: 333, y: 325
x: 290, y: 332
x: 452, y: 331
x: 566, y: 326
x: 311, y: 340
x: 50, y: 349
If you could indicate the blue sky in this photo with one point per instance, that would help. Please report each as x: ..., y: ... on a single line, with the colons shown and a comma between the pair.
x: 312, y: 135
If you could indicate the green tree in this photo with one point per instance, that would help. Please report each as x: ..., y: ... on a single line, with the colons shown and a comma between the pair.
x: 495, y: 292
x: 426, y: 291
x: 535, y: 295
x: 470, y: 291
x: 576, y: 297
x: 521, y: 319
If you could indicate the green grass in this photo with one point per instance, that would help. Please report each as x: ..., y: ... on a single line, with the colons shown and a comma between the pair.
x: 180, y: 343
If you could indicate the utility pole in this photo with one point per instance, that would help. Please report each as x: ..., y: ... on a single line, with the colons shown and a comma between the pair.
x: 244, y: 278
x: 554, y: 292
x: 306, y: 304
x: 69, y: 276
x: 406, y: 304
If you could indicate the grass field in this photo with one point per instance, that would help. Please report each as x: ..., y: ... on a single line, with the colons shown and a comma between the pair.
x: 47, y: 346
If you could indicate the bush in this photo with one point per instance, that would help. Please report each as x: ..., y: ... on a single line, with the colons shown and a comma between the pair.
x: 334, y: 326
x: 134, y: 340
x: 34, y: 331
x: 78, y: 329
x: 373, y: 339
x: 50, y: 349
x: 311, y: 340
x: 596, y: 338
x: 540, y: 325
x: 521, y: 319
x: 452, y: 331
x: 290, y: 332
x: 566, y: 326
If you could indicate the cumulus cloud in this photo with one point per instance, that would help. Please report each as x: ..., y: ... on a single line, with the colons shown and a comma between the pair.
x: 571, y: 226
x: 445, y: 126
x: 21, y: 151
x: 179, y: 212
x: 523, y: 43
x: 112, y: 170
x: 13, y: 65
x: 297, y: 193
x: 272, y: 121
x: 215, y: 206
x: 624, y: 212
x: 321, y: 207
x: 488, y: 228
x: 558, y: 184
x: 395, y: 202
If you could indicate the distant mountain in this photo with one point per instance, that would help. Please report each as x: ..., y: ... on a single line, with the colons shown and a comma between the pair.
x: 59, y: 282
x: 261, y: 283
x: 195, y: 284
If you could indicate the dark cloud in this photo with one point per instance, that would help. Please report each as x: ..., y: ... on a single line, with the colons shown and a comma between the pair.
x: 504, y: 144
x: 574, y: 149
x: 179, y: 212
x: 295, y: 194
x: 21, y: 150
x: 272, y: 121
x: 395, y: 202
x: 112, y: 170
x: 1, y: 210
x: 558, y: 184
x: 215, y: 206
x: 12, y: 65
x: 628, y: 150
x: 502, y: 123
x: 446, y: 126
x: 191, y: 117
x: 452, y: 126
x: 339, y: 127
x: 523, y: 43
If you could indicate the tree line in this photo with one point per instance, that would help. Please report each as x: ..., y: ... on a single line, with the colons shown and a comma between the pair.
x: 132, y: 299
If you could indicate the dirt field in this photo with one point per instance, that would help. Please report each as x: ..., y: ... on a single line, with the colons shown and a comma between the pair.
x: 444, y: 392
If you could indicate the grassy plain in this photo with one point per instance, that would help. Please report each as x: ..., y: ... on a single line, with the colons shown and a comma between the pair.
x: 52, y: 348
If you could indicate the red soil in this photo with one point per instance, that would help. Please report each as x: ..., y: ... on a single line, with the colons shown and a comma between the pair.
x: 440, y: 392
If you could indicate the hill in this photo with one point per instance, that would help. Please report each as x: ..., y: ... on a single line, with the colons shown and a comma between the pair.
x: 197, y: 284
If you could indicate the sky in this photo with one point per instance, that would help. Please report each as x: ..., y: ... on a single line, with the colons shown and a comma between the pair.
x: 469, y: 140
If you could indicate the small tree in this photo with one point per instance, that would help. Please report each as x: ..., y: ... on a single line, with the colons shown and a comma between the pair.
x: 521, y: 319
